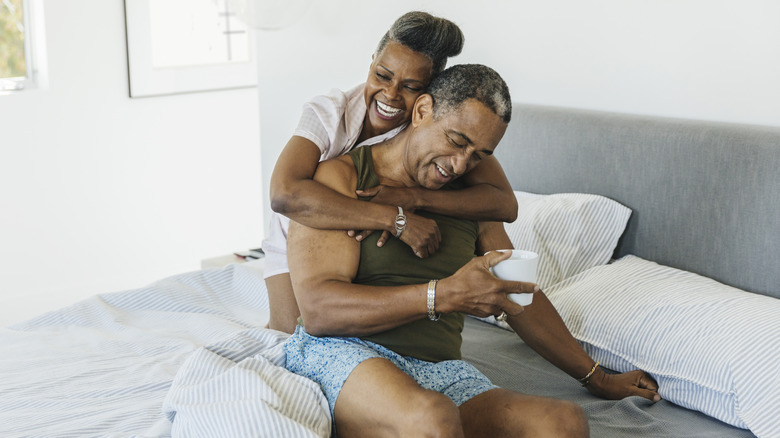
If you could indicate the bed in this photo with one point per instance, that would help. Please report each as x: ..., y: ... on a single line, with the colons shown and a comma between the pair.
x: 682, y: 219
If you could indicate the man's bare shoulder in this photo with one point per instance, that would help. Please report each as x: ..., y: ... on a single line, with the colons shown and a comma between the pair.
x: 339, y: 174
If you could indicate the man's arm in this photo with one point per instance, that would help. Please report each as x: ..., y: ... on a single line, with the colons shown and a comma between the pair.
x: 323, y: 264
x: 542, y: 328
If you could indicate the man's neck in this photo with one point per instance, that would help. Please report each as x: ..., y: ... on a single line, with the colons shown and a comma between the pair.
x: 389, y: 157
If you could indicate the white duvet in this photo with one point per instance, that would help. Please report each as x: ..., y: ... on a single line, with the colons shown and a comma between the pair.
x: 185, y: 356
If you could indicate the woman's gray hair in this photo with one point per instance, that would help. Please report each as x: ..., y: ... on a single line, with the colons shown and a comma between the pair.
x: 435, y: 37
x: 470, y: 81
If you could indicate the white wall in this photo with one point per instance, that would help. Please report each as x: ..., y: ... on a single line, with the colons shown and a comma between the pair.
x: 100, y: 192
x: 698, y: 59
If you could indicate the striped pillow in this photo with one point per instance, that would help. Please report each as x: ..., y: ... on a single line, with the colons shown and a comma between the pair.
x: 571, y: 232
x: 711, y: 347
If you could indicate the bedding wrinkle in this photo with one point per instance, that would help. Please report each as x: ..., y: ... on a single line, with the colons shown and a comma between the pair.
x: 103, y: 366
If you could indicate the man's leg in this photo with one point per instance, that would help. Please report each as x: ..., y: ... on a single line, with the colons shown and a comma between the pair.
x: 504, y: 413
x: 378, y: 399
x: 281, y: 301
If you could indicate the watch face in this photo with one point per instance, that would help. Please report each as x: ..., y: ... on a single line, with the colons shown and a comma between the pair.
x: 400, y: 222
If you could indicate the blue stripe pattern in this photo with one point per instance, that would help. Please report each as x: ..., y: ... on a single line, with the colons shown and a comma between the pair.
x: 711, y: 347
x: 104, y: 366
x: 571, y: 232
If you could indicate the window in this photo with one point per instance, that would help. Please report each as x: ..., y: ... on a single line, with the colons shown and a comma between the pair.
x: 21, y: 45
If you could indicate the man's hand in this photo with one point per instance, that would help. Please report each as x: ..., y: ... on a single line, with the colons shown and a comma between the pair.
x: 474, y: 290
x: 618, y: 386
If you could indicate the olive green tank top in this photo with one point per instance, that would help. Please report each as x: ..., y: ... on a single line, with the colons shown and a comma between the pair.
x: 395, y: 264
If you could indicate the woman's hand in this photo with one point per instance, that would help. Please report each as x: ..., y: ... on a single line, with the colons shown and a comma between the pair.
x: 618, y: 386
x: 421, y: 234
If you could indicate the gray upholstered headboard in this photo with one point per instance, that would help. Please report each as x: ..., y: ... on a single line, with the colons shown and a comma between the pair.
x: 705, y: 196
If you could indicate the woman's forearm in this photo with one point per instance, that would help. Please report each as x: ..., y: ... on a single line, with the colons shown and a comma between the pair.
x: 317, y: 206
x: 296, y: 194
x: 482, y: 202
x: 487, y: 197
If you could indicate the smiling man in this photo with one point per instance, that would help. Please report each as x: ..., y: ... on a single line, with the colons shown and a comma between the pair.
x: 382, y: 331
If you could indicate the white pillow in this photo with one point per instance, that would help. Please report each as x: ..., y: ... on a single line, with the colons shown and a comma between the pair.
x: 711, y: 347
x: 571, y: 232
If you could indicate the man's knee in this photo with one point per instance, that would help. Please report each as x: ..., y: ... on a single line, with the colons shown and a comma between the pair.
x: 569, y: 420
x: 431, y: 414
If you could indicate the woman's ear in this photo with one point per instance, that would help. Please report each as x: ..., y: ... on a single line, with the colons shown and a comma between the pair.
x: 423, y: 107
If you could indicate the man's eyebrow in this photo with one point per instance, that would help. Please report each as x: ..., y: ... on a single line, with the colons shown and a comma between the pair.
x: 467, y: 139
x: 460, y: 134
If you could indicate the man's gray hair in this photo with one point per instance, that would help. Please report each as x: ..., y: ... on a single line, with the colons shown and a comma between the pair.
x: 470, y: 81
x: 435, y: 37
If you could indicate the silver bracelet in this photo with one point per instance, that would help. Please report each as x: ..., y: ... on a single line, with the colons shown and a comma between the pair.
x: 432, y: 315
x: 400, y: 222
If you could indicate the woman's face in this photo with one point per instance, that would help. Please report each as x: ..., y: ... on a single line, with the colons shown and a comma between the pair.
x: 398, y: 75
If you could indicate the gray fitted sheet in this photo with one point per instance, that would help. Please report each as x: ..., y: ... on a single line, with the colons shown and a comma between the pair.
x: 512, y: 364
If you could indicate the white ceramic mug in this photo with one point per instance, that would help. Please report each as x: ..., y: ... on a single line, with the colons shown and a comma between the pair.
x: 520, y: 266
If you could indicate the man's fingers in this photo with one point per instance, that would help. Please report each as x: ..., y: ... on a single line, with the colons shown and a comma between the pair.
x: 647, y: 382
x: 520, y: 287
x: 511, y: 307
x: 493, y: 257
x: 646, y: 387
x: 650, y: 395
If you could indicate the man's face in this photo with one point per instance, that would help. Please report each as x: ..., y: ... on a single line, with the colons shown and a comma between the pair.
x: 445, y: 149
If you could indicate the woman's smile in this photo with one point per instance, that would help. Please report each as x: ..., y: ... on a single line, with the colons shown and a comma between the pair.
x: 387, y: 112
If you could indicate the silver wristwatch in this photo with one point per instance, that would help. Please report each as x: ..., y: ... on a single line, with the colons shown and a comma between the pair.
x: 400, y: 222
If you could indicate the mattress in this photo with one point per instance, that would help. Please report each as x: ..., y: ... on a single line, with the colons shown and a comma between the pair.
x: 188, y: 355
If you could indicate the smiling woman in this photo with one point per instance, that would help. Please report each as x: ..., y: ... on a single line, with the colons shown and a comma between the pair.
x: 408, y: 56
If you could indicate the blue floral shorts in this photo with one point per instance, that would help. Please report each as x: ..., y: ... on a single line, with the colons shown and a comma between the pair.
x: 329, y: 361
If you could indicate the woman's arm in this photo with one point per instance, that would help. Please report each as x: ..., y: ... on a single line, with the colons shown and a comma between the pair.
x: 323, y: 264
x: 488, y: 197
x: 295, y: 194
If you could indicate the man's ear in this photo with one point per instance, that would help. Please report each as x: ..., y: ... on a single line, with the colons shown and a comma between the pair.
x: 423, y: 107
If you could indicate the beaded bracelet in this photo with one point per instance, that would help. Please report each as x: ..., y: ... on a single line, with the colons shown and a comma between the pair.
x: 585, y: 380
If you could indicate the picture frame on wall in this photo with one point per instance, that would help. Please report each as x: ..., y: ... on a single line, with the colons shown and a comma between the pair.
x: 185, y: 46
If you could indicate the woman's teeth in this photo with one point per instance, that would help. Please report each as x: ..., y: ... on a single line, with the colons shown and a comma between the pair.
x: 442, y: 172
x: 386, y: 110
